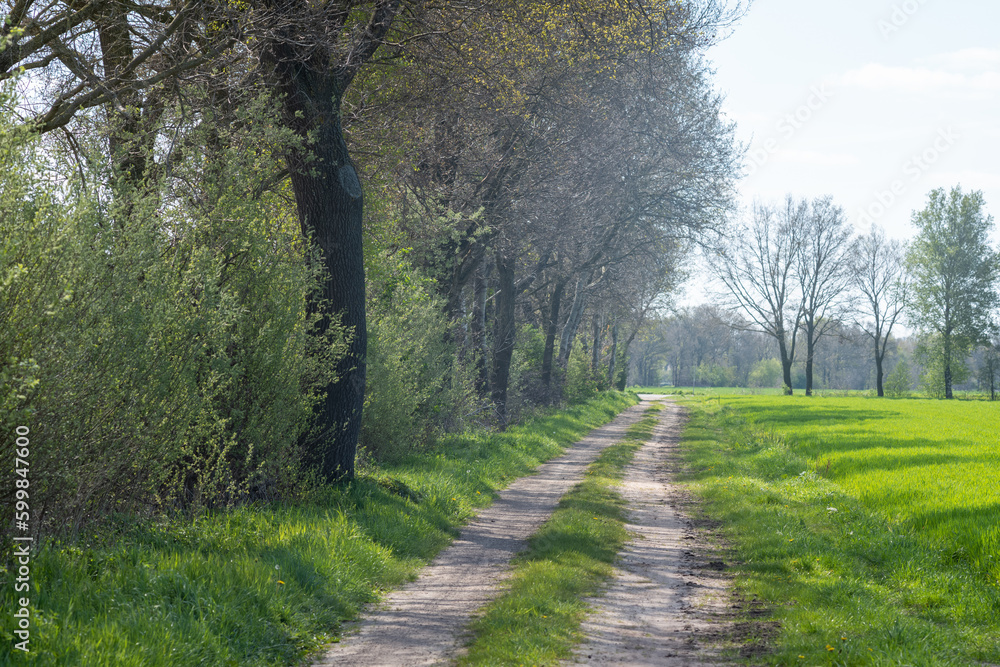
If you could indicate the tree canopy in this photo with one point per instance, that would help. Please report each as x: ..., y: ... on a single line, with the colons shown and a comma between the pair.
x: 955, y: 273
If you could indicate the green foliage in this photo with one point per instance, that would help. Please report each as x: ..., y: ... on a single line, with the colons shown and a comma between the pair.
x: 877, y: 518
x: 899, y: 382
x: 766, y: 373
x: 582, y: 383
x: 415, y: 387
x: 716, y: 375
x: 161, y: 346
x: 931, y: 355
x: 955, y: 272
x: 269, y: 583
x: 525, y: 390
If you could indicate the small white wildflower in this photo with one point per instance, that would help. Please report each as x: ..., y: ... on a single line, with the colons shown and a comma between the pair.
x: 831, y: 510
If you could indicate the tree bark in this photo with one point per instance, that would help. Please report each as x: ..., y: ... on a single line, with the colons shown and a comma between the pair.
x: 947, y: 363
x: 329, y: 202
x: 459, y: 323
x: 879, y: 375
x: 786, y: 365
x: 810, y: 351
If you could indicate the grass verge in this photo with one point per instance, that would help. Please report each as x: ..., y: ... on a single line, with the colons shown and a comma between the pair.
x: 267, y: 585
x: 536, y: 621
x: 867, y: 526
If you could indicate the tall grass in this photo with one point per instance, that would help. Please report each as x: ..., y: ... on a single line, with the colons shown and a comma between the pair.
x: 268, y: 584
x: 870, y: 526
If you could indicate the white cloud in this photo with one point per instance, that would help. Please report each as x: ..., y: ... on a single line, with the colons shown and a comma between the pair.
x: 816, y: 158
x: 978, y: 59
x: 972, y: 180
x: 924, y: 80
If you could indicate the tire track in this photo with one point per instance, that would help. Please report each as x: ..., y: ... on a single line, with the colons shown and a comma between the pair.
x: 421, y: 623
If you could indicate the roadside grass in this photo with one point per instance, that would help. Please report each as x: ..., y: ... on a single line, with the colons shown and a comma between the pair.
x: 269, y: 584
x: 536, y: 621
x: 870, y: 527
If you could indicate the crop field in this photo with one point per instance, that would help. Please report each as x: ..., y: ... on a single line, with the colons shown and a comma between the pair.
x: 870, y: 528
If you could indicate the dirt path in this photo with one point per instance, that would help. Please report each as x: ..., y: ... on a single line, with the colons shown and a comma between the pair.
x: 421, y: 623
x: 666, y: 593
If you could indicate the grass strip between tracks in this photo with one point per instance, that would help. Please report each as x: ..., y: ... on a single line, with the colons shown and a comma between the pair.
x: 536, y: 621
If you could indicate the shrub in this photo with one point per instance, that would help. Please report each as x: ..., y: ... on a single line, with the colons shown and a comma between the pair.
x: 898, y: 383
x: 930, y: 354
x: 715, y: 375
x: 158, y: 340
x: 766, y: 373
x: 415, y: 388
x: 582, y: 383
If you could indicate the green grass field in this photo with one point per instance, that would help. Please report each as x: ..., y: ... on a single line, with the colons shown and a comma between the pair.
x: 267, y: 585
x: 871, y: 527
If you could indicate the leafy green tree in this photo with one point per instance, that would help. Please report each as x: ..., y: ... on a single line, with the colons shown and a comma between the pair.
x: 898, y: 384
x: 989, y: 369
x: 954, y: 272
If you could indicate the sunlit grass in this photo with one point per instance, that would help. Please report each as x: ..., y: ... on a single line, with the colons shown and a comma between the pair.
x: 267, y: 585
x: 869, y: 525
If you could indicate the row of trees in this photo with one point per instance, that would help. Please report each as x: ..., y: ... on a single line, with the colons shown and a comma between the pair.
x: 199, y: 281
x: 796, y: 269
x: 712, y: 346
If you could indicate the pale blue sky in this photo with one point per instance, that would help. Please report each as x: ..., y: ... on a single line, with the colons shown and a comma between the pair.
x: 875, y: 102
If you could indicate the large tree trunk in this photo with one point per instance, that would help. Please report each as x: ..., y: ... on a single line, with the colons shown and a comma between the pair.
x: 786, y: 365
x: 504, y: 333
x: 123, y: 134
x: 810, y: 350
x: 879, y: 374
x: 947, y: 365
x: 329, y: 201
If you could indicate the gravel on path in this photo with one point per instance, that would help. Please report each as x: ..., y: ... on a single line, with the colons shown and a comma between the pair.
x: 421, y: 623
x: 661, y: 607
